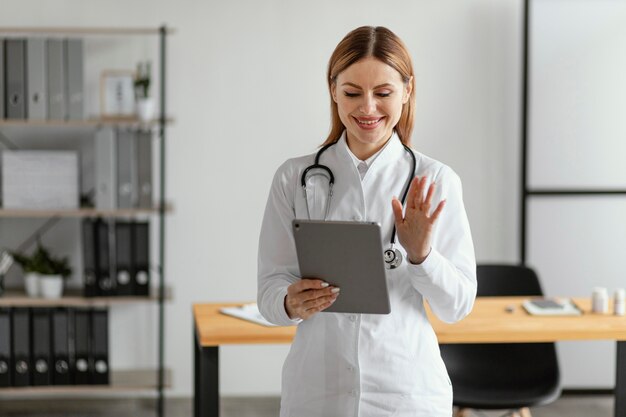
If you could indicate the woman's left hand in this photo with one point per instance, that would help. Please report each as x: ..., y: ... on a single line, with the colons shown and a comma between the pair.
x: 415, y: 228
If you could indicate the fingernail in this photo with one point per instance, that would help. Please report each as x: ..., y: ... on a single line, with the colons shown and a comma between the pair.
x: 324, y: 284
x: 335, y: 290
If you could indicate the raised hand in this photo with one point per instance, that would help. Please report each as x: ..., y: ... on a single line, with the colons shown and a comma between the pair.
x: 415, y: 227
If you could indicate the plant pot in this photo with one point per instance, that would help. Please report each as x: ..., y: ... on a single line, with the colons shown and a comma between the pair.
x: 51, y: 286
x: 31, y: 284
x: 145, y: 109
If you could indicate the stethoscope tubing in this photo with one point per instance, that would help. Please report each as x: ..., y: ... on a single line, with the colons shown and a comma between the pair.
x: 331, y: 182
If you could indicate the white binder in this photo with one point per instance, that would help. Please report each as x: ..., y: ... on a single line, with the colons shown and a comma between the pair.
x: 2, y: 90
x: 144, y: 169
x: 37, y: 100
x: 126, y: 170
x: 56, y: 80
x: 74, y: 78
x: 105, y: 172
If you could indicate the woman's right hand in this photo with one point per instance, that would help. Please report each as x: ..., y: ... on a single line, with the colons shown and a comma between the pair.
x: 309, y: 296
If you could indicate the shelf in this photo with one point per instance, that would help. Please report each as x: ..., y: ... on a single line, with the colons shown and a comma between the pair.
x: 123, y: 121
x: 82, y: 31
x: 121, y: 381
x: 82, y: 212
x: 73, y: 298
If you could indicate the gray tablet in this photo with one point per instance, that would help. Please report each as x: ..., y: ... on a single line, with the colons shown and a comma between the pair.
x: 348, y: 255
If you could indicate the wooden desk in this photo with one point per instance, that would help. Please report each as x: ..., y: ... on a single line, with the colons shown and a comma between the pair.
x: 489, y: 322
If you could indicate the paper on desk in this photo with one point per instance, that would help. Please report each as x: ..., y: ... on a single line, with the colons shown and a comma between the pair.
x: 249, y: 312
x: 566, y: 308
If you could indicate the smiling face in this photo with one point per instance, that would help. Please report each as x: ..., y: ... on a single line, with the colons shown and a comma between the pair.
x: 369, y: 96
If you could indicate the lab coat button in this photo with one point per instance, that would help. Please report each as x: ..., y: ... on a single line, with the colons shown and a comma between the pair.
x: 350, y: 369
x: 353, y: 393
x: 352, y: 318
x: 356, y: 218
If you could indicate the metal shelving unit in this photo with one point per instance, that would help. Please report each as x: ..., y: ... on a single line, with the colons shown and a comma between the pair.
x: 121, y: 381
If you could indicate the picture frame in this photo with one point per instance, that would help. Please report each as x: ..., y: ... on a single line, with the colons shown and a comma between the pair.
x: 117, y: 94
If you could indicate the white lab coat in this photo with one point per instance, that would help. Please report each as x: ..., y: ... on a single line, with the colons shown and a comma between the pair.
x: 367, y: 365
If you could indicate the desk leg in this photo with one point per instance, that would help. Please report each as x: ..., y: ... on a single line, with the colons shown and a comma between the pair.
x: 620, y: 380
x: 206, y: 380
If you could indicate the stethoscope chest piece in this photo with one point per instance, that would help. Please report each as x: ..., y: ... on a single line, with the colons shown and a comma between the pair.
x: 392, y: 257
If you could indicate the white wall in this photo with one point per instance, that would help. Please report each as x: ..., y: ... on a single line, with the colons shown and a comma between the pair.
x: 247, y: 90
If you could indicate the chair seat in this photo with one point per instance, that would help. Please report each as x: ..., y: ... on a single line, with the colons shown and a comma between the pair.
x: 520, y: 374
x: 496, y: 399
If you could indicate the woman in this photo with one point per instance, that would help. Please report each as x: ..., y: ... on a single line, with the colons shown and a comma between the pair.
x: 344, y: 365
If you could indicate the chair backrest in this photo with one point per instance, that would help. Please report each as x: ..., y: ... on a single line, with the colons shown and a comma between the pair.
x: 507, y: 280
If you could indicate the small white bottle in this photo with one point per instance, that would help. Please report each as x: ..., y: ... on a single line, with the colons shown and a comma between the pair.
x: 619, y: 302
x: 600, y: 300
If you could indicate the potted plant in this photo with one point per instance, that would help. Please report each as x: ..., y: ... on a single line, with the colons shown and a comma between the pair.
x: 43, y: 273
x: 145, y: 103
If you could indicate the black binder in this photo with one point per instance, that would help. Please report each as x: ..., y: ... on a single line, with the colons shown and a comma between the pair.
x: 141, y: 258
x: 82, y: 364
x: 15, y: 60
x: 100, y: 345
x: 123, y: 258
x: 21, y: 346
x: 6, y: 365
x: 104, y: 279
x: 61, y: 373
x: 90, y: 267
x: 41, y: 351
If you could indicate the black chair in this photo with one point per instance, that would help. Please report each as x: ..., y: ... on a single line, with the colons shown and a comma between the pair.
x: 511, y: 376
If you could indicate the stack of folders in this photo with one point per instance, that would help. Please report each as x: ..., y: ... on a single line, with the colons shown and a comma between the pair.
x: 53, y: 346
x: 122, y: 168
x: 116, y: 258
x: 41, y: 79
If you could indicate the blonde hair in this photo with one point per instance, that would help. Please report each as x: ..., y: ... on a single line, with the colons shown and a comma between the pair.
x: 380, y: 43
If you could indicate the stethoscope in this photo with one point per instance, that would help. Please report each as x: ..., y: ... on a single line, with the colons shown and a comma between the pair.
x: 392, y: 256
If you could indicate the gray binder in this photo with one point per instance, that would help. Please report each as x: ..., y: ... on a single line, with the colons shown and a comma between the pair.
x: 2, y: 113
x: 15, y: 78
x: 126, y: 170
x: 74, y: 71
x: 56, y: 80
x: 144, y: 169
x: 36, y: 79
x: 105, y: 172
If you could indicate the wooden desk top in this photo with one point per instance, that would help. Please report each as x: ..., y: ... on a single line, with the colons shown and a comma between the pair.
x: 489, y: 322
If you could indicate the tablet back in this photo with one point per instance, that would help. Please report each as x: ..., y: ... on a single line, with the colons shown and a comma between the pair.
x: 348, y: 255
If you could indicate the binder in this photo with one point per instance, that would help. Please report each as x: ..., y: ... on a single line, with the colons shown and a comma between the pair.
x: 100, y: 345
x: 141, y: 258
x: 61, y: 373
x: 105, y: 173
x: 56, y: 80
x: 82, y: 361
x: 103, y: 261
x: 144, y: 169
x: 123, y: 258
x: 15, y: 76
x: 37, y: 98
x: 2, y: 89
x: 90, y: 268
x: 126, y: 170
x: 20, y: 327
x: 6, y: 364
x: 41, y: 351
x: 74, y: 77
